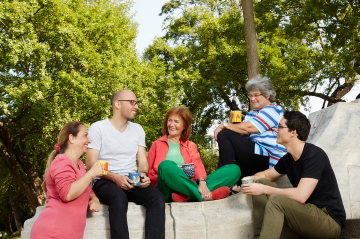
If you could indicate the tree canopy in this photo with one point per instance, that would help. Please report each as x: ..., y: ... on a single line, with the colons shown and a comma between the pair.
x: 303, y: 52
x: 61, y: 61
x: 205, y: 51
x: 318, y: 45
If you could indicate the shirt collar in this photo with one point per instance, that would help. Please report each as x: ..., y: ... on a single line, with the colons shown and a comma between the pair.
x: 182, y: 143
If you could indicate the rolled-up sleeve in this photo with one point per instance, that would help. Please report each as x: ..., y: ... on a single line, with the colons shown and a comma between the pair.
x: 63, y: 174
x: 266, y: 119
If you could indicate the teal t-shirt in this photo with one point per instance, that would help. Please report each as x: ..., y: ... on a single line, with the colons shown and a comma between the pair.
x: 174, y: 154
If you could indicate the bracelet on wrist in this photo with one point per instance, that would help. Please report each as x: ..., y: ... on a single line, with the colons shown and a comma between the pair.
x: 201, y: 179
x: 92, y: 176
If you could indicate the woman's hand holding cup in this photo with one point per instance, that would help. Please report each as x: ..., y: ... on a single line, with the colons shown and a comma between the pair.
x: 97, y: 170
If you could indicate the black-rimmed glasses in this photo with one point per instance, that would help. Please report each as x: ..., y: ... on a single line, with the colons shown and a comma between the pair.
x: 132, y: 102
x: 281, y: 127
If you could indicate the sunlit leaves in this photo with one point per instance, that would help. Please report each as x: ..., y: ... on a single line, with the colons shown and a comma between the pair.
x: 61, y: 61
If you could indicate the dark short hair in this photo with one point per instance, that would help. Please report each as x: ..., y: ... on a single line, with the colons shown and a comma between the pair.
x: 186, y: 116
x: 299, y: 122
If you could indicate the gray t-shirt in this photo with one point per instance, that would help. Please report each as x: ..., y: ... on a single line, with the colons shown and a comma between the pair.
x: 118, y: 148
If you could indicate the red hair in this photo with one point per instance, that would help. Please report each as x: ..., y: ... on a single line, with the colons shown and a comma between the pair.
x: 186, y: 116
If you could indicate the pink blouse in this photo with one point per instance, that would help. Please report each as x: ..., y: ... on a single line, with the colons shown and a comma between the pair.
x: 62, y: 219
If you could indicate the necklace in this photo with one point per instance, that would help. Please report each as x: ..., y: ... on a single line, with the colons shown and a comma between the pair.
x: 73, y: 160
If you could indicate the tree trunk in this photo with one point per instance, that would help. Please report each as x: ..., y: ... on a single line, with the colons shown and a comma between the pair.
x: 8, y: 227
x: 30, y: 193
x: 250, y: 39
x: 29, y: 182
x: 252, y: 53
x: 16, y: 216
x: 231, y: 103
x: 342, y: 90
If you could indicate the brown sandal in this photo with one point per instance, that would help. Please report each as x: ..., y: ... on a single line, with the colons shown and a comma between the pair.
x: 234, y: 189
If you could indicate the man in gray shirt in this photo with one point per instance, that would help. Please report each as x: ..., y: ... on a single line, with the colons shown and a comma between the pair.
x: 121, y: 142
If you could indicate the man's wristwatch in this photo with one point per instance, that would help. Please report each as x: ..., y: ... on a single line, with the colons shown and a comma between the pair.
x: 225, y: 125
x: 201, y: 179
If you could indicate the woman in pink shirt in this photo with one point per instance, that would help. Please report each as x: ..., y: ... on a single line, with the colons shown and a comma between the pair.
x: 173, y: 150
x: 68, y: 187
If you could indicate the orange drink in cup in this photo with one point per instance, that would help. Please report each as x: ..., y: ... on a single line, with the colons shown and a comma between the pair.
x: 104, y: 165
x: 236, y: 116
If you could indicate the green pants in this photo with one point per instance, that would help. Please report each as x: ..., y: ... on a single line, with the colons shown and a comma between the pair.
x: 307, y: 220
x: 172, y: 178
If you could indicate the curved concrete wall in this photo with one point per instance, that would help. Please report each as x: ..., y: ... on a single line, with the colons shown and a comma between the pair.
x: 231, y: 217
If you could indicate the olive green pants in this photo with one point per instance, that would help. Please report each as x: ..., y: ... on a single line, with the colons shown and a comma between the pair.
x: 172, y: 178
x: 307, y: 220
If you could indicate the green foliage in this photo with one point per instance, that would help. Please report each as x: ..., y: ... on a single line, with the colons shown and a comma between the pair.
x: 15, y: 235
x: 209, y: 159
x: 313, y: 46
x: 10, y: 191
x: 208, y: 58
x: 61, y: 60
x: 305, y: 48
x: 206, y: 148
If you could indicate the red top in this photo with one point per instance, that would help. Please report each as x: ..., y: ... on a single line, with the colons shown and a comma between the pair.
x: 159, y: 150
x: 62, y: 219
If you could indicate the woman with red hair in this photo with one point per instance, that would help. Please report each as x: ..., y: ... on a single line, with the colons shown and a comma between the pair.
x: 170, y: 152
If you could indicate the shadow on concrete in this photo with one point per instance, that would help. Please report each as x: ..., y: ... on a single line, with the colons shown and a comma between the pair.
x: 351, y: 229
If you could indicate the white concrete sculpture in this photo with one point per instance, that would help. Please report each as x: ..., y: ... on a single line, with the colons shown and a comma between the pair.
x: 335, y: 129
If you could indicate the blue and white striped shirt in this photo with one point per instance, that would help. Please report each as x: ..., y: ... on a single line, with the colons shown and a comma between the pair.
x: 266, y: 121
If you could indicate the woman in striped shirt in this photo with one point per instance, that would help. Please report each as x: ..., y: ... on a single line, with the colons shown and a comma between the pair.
x: 251, y: 144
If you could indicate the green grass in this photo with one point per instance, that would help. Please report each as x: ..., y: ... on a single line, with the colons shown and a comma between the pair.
x: 15, y: 235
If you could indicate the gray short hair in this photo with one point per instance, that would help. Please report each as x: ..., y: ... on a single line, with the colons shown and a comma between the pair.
x: 263, y: 84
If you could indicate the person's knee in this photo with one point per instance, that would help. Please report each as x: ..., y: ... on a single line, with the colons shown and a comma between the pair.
x: 165, y: 167
x: 276, y: 200
x: 156, y: 199
x: 222, y: 135
x: 118, y: 199
x: 160, y: 201
x: 263, y: 181
x: 234, y: 170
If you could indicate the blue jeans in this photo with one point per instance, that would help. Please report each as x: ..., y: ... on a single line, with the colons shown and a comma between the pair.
x: 117, y: 199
